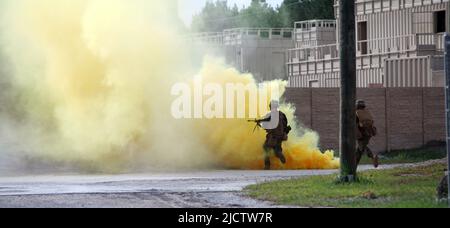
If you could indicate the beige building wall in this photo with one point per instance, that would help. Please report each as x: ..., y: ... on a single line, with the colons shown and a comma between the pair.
x: 398, y: 45
x: 259, y: 51
x: 264, y: 58
x: 315, y: 33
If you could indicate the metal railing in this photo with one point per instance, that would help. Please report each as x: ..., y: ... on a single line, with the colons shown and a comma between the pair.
x: 313, y: 24
x: 434, y: 40
x: 391, y: 45
x: 313, y: 53
x: 206, y: 37
x: 235, y: 36
x: 315, y: 32
x: 386, y: 45
x: 373, y: 6
x: 310, y: 37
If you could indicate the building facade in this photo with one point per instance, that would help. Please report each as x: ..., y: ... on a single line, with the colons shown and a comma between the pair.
x: 260, y: 51
x: 399, y: 44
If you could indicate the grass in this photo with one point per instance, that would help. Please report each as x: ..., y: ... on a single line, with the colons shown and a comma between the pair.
x: 396, y: 188
x: 410, y: 156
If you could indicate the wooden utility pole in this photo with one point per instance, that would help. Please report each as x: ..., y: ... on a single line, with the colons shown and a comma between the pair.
x: 447, y: 102
x: 348, y: 90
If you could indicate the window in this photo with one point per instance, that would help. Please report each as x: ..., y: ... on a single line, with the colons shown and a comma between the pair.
x: 439, y: 21
x: 362, y: 38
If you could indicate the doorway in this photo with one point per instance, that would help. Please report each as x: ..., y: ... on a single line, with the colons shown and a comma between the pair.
x: 440, y: 23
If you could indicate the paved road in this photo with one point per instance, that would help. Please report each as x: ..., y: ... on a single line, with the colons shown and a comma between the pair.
x: 155, y: 190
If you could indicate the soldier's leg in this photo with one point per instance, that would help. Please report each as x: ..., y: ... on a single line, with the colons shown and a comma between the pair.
x: 279, y: 154
x: 373, y: 156
x: 365, y: 144
x: 359, y: 152
x: 267, y: 151
x: 369, y: 152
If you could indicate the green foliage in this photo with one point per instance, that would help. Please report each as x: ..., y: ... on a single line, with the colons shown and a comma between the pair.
x: 294, y: 10
x: 258, y: 14
x: 217, y: 16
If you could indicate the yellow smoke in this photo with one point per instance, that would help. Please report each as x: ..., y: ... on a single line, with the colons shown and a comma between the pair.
x: 94, y: 78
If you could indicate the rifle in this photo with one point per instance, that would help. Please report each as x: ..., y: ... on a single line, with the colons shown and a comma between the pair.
x: 258, y: 123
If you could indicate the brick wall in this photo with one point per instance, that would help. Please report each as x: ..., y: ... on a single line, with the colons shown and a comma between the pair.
x: 405, y: 117
x: 434, y: 113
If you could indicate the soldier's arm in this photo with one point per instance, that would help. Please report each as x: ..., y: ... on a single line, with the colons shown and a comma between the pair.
x: 267, y: 118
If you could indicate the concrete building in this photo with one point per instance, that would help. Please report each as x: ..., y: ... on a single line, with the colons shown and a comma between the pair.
x: 399, y: 44
x: 309, y: 34
x: 260, y: 51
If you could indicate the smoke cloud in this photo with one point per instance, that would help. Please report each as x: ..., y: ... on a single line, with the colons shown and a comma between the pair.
x: 86, y: 84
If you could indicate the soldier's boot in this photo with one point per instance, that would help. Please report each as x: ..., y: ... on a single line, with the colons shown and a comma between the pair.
x: 376, y: 161
x: 375, y: 158
x: 281, y: 156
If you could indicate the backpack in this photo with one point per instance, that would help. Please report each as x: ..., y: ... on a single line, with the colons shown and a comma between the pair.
x: 366, y: 123
x: 284, y: 124
x: 283, y: 129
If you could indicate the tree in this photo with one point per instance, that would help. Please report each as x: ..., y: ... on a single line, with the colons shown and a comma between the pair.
x: 259, y: 15
x: 292, y: 11
x: 217, y: 16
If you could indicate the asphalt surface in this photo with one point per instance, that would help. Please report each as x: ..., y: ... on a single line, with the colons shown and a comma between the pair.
x: 200, y: 189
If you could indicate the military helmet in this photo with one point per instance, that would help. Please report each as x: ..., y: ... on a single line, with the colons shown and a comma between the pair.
x: 360, y: 103
x: 274, y: 104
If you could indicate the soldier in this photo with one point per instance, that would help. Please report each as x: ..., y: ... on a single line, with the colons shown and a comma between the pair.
x: 275, y: 135
x: 365, y: 131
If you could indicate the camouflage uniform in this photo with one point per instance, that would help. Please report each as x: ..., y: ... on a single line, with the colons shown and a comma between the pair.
x: 364, y: 133
x: 274, y: 140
